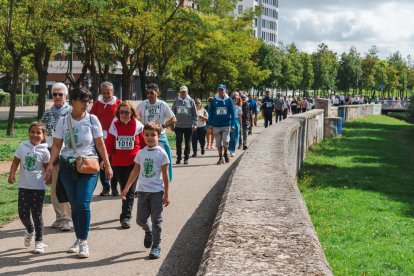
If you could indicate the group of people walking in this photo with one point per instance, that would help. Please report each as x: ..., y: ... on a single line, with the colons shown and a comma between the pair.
x: 133, y: 150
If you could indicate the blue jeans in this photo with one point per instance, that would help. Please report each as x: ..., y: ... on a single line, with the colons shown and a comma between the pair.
x: 79, y: 188
x: 234, y: 137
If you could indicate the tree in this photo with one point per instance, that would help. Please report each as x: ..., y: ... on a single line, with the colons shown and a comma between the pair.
x: 308, y: 75
x: 47, y: 26
x: 367, y: 66
x: 269, y: 58
x: 380, y: 75
x: 349, y: 70
x: 325, y: 65
x: 15, y: 27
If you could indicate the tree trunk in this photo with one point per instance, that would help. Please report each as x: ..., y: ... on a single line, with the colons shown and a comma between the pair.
x: 17, y: 62
x: 42, y: 57
x: 126, y: 83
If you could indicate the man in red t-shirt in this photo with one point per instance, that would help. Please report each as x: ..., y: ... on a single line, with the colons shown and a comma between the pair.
x: 104, y: 108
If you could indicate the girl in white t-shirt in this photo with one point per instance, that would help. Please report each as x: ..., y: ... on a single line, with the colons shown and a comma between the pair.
x: 33, y: 157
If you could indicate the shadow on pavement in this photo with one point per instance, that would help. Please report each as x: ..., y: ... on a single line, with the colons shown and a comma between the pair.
x: 187, y: 251
x: 17, y: 261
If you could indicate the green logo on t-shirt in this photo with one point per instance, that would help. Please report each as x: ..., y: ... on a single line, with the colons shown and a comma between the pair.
x: 148, y: 171
x: 30, y: 162
x: 68, y: 141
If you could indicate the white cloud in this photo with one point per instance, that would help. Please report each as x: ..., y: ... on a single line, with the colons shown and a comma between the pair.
x: 342, y: 24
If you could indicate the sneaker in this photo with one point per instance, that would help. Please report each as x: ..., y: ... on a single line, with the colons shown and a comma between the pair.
x: 231, y: 154
x: 208, y: 146
x: 83, y: 249
x: 186, y: 161
x: 115, y: 192
x: 194, y: 155
x: 155, y: 252
x: 245, y: 147
x: 220, y: 161
x: 239, y: 147
x: 74, y: 248
x: 148, y: 239
x: 39, y: 247
x: 66, y: 225
x: 202, y: 151
x: 57, y: 224
x: 125, y: 223
x: 226, y: 158
x: 105, y: 192
x: 178, y: 162
x: 28, y: 238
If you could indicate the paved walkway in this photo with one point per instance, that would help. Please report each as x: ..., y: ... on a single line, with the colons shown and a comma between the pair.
x: 195, y: 195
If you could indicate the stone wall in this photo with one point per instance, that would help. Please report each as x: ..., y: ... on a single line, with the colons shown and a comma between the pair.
x: 338, y: 115
x: 264, y: 227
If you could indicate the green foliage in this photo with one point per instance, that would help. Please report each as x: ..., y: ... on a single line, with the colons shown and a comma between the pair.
x: 360, y: 197
x: 9, y: 144
x: 325, y: 66
x: 28, y: 99
x: 349, y: 71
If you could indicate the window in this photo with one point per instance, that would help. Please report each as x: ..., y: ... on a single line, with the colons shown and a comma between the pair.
x: 255, y: 22
x: 240, y: 9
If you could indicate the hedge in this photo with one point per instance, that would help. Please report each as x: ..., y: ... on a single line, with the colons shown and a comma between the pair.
x: 28, y: 99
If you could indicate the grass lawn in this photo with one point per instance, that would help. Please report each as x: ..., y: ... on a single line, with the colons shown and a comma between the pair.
x: 359, y: 192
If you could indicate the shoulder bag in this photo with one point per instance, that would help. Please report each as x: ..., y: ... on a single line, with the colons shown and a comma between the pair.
x: 85, y: 164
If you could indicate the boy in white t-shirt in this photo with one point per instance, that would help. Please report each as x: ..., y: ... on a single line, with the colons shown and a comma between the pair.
x: 151, y: 165
x: 33, y: 157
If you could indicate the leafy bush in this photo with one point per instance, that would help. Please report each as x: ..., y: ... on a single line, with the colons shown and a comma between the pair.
x: 28, y: 99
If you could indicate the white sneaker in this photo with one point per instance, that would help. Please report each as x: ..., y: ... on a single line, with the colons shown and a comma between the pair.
x: 74, y: 248
x: 83, y: 249
x: 39, y: 247
x: 65, y: 225
x: 28, y: 238
x: 57, y: 224
x: 232, y: 154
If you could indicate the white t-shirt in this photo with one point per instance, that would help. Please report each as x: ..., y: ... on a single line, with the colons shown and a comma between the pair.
x: 157, y: 112
x: 237, y: 111
x: 32, y: 171
x: 150, y: 177
x: 84, y: 133
x: 201, y: 112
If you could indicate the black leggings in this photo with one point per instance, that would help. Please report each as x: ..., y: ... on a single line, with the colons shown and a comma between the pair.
x: 122, y: 174
x: 31, y: 201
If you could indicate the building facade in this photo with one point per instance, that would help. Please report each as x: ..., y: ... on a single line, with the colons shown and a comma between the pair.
x: 266, y: 26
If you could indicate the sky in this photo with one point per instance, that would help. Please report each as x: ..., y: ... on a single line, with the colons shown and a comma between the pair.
x: 340, y: 24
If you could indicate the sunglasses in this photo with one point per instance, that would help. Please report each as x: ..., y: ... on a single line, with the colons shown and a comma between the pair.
x: 85, y: 101
x: 198, y: 103
x: 57, y: 94
x: 126, y: 112
x: 151, y: 93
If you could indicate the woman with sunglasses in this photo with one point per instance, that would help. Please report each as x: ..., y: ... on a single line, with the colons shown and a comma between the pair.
x: 199, y: 135
x: 125, y: 138
x: 235, y: 130
x: 87, y: 134
x: 51, y: 117
x: 154, y: 110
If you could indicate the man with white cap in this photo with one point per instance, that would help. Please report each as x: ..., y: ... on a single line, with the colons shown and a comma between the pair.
x: 186, y: 114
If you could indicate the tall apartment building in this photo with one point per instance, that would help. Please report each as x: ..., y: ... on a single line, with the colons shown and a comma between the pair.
x: 266, y: 26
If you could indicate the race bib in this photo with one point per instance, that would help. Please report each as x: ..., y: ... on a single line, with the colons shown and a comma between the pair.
x: 182, y: 110
x: 125, y: 142
x: 221, y: 110
x: 152, y: 110
x: 268, y: 104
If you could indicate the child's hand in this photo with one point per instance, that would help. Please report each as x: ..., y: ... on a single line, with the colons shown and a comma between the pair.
x: 12, y: 178
x: 48, y: 172
x: 123, y: 194
x: 166, y: 200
